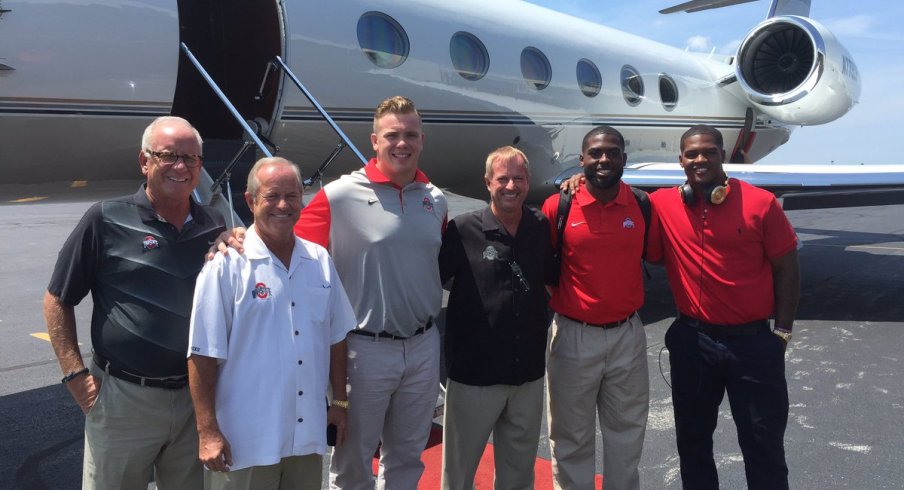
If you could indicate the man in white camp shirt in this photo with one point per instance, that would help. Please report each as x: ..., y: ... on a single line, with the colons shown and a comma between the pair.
x: 267, y: 335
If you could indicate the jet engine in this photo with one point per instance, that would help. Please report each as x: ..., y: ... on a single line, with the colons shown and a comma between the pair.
x: 794, y: 70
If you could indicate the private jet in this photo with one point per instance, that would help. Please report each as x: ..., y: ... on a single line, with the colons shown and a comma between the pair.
x: 79, y: 80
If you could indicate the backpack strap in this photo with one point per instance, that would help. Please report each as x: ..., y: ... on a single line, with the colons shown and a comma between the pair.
x: 561, y: 217
x: 643, y: 201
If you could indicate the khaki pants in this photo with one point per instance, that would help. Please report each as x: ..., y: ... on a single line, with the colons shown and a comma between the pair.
x: 132, y: 430
x: 512, y: 413
x: 292, y: 473
x: 592, y: 372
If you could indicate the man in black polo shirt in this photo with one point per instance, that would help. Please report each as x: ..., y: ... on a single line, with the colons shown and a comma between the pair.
x: 138, y: 256
x: 496, y: 329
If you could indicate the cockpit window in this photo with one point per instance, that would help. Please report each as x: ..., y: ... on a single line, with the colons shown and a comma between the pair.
x: 632, y: 85
x: 382, y: 39
x: 535, y: 68
x: 469, y: 56
x: 589, y: 79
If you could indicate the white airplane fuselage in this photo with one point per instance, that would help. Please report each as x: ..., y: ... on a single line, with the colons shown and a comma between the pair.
x: 82, y: 79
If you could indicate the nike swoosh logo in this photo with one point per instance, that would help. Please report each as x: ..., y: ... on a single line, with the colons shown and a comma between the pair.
x: 211, y: 242
x: 371, y: 201
x: 577, y: 223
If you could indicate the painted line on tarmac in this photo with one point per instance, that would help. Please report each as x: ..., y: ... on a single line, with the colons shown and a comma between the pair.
x: 29, y: 365
x: 28, y: 199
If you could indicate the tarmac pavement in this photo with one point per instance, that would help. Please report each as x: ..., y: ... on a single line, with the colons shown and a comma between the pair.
x: 845, y: 378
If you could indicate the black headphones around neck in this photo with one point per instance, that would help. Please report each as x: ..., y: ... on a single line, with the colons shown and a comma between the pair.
x: 714, y: 194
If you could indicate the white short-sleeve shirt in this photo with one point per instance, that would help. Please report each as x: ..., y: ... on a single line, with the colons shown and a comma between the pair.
x: 271, y: 329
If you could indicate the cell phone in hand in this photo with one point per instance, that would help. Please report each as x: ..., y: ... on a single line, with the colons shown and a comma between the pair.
x: 331, y: 435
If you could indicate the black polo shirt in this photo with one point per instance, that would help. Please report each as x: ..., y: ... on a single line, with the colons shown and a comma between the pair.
x: 495, y: 330
x: 141, y: 274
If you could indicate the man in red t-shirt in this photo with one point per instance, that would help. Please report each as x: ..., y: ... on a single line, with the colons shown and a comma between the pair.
x: 731, y: 258
x: 597, y: 363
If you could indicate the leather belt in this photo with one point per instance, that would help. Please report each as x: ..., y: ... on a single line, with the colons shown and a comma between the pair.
x: 168, y: 383
x: 385, y: 335
x: 604, y: 326
x: 750, y: 328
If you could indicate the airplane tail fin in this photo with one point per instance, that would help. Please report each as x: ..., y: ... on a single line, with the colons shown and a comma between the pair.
x: 778, y: 7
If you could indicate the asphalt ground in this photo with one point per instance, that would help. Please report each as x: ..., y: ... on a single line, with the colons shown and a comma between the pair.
x: 845, y: 428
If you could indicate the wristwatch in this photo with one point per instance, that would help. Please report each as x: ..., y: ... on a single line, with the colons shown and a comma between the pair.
x: 783, y: 334
x: 340, y: 403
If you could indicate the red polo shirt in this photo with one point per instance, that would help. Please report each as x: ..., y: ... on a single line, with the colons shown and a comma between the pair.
x: 601, y: 279
x: 717, y: 256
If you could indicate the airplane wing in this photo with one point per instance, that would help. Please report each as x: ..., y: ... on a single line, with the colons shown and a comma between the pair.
x: 798, y: 186
x: 779, y: 7
x: 698, y: 5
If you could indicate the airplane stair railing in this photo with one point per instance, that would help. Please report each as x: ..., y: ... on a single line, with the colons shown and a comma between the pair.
x: 344, y: 142
x: 211, y: 194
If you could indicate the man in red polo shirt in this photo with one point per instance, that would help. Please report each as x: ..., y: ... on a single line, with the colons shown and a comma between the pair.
x: 731, y: 258
x: 597, y: 357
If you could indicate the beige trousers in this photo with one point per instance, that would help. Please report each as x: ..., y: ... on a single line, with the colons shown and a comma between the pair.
x: 291, y: 473
x: 592, y: 372
x: 512, y: 413
x: 133, y: 430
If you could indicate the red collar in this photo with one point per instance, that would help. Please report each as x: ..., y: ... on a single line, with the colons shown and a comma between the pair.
x: 375, y: 176
x: 585, y: 198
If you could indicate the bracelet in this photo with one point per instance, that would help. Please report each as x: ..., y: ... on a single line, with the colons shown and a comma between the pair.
x: 340, y: 404
x: 69, y: 377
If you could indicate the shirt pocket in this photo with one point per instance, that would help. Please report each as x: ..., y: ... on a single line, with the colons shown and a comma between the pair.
x: 316, y: 301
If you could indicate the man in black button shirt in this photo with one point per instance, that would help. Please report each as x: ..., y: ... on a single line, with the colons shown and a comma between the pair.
x: 138, y: 256
x: 496, y: 327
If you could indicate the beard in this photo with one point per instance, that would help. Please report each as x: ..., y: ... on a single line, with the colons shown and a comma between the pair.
x: 600, y: 182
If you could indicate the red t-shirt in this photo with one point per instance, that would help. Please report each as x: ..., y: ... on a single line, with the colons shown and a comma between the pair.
x: 718, y: 256
x: 601, y: 278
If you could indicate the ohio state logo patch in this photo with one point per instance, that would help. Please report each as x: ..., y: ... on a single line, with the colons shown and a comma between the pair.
x: 149, y: 243
x: 260, y: 291
x: 427, y: 204
x: 628, y: 223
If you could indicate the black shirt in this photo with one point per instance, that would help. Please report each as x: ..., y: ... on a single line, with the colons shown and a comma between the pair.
x: 141, y: 274
x: 495, y: 329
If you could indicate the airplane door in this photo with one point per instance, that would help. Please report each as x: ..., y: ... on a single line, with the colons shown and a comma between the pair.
x: 234, y: 40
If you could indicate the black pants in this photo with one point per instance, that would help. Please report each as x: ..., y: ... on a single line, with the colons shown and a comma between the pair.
x: 752, y: 369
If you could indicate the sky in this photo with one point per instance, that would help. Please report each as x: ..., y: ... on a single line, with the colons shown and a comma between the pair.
x: 871, y: 30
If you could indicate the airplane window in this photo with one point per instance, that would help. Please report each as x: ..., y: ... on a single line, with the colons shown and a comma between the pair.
x: 632, y: 85
x: 469, y: 56
x: 668, y: 92
x: 589, y: 79
x: 535, y: 68
x: 382, y: 39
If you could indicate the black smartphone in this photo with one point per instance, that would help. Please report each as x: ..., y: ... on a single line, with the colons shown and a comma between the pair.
x: 331, y: 434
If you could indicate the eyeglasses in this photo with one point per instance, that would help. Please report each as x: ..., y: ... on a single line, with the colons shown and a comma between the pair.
x: 167, y: 158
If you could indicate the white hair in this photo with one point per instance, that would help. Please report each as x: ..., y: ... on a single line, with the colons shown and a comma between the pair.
x: 149, y: 131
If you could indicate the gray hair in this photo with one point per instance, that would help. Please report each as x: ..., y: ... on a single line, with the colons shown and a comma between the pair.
x: 254, y: 183
x: 148, y: 131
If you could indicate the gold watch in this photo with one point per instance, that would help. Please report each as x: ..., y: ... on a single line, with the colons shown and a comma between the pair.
x: 340, y: 403
x: 785, y: 335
